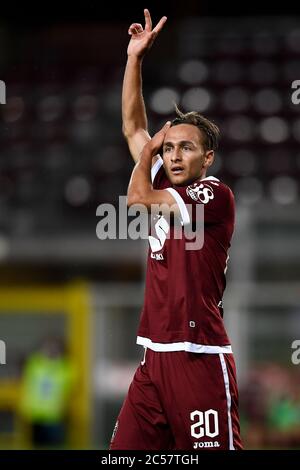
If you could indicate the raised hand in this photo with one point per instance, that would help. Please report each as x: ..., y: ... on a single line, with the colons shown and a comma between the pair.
x: 143, y: 38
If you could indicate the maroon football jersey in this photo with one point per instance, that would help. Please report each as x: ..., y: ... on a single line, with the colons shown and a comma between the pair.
x: 184, y: 287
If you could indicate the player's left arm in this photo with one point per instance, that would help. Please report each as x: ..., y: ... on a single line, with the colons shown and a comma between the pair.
x: 140, y: 189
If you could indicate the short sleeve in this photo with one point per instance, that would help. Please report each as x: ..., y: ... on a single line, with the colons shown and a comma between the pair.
x: 158, y: 175
x: 155, y: 168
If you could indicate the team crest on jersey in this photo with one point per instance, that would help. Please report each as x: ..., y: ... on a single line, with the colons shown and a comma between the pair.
x: 200, y: 192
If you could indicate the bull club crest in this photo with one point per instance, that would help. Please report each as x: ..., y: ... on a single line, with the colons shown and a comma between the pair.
x: 200, y: 192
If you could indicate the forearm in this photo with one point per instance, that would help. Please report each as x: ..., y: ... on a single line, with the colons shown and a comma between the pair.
x: 140, y: 185
x: 133, y: 107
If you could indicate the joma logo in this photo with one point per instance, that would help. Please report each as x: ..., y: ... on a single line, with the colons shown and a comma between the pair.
x: 200, y: 445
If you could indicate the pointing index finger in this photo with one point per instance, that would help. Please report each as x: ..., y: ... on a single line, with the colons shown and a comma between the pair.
x: 148, y: 21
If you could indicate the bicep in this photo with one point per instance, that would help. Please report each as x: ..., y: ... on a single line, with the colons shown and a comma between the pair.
x: 159, y: 197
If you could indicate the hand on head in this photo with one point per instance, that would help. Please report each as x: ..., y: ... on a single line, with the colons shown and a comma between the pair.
x: 157, y: 140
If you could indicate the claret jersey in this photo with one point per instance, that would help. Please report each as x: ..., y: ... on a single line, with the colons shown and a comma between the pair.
x: 184, y: 287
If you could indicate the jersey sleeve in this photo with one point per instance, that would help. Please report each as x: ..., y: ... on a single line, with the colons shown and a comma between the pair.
x: 158, y: 175
x: 215, y: 197
x: 155, y: 169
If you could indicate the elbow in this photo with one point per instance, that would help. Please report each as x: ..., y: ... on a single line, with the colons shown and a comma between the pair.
x: 132, y: 131
x: 135, y: 198
x: 128, y: 131
x: 132, y: 198
x: 125, y: 132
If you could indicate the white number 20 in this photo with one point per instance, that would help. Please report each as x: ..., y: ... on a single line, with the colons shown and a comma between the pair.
x: 198, y: 430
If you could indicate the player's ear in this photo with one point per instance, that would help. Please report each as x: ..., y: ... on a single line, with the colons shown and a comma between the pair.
x: 209, y: 158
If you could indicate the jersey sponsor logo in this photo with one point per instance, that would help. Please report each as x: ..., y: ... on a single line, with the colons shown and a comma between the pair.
x: 200, y: 192
x: 205, y: 424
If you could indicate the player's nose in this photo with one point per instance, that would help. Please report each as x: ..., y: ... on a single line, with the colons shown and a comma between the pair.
x: 176, y: 155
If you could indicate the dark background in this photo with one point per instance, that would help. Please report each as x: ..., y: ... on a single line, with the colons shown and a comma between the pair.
x: 37, y: 13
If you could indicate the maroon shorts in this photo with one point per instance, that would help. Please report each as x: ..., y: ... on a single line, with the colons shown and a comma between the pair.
x: 180, y: 400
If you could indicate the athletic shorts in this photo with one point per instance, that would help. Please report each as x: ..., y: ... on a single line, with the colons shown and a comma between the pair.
x: 180, y: 400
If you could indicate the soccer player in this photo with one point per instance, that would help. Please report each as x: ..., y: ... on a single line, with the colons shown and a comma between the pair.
x: 184, y: 393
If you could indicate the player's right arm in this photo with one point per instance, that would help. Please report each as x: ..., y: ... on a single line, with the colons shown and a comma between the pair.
x: 134, y: 116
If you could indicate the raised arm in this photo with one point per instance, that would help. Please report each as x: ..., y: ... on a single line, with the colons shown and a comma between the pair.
x: 135, y: 126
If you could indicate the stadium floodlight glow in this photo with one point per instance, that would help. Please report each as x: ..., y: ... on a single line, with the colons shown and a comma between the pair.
x: 84, y: 131
x: 267, y: 101
x: 248, y: 191
x: 196, y: 98
x: 50, y: 108
x: 162, y: 100
x: 56, y: 157
x: 236, y: 99
x: 14, y: 109
x: 110, y: 159
x: 241, y: 162
x: 193, y: 72
x: 77, y: 191
x: 85, y: 107
x: 240, y: 128
x: 284, y: 190
x: 274, y: 129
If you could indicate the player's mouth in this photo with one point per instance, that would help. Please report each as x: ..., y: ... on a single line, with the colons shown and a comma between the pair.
x: 177, y: 170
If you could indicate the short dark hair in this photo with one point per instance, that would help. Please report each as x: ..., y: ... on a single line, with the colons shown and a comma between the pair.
x: 208, y: 129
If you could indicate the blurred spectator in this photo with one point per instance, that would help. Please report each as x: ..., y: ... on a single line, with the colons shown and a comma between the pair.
x: 270, y: 404
x: 47, y: 382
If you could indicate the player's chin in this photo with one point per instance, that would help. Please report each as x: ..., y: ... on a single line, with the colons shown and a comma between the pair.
x: 178, y: 180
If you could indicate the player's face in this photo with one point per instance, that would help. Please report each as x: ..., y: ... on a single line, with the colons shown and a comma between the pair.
x: 185, y: 158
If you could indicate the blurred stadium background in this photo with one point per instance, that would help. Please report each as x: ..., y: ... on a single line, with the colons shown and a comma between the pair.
x: 63, y: 154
